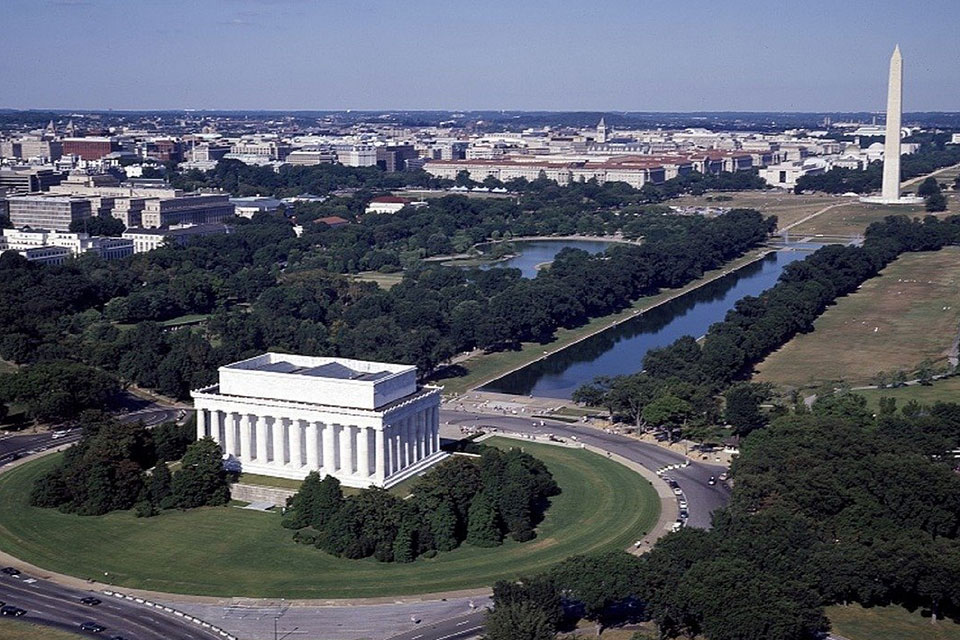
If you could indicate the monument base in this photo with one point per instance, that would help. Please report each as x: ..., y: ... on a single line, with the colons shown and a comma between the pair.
x: 902, y: 200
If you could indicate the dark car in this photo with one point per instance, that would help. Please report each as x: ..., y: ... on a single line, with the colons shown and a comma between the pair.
x: 118, y: 638
x: 10, y: 610
x: 10, y: 571
x: 90, y: 600
x: 92, y: 627
x: 712, y: 481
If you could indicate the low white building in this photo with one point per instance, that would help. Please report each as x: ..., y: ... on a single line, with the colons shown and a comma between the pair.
x: 386, y: 204
x: 26, y: 240
x: 365, y: 423
x: 249, y: 207
x: 785, y: 175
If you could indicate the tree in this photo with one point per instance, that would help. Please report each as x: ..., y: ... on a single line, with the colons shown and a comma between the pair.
x: 518, y: 621
x: 483, y: 530
x: 668, y: 411
x: 99, y: 226
x: 161, y: 481
x: 443, y: 526
x: 742, y: 410
x: 539, y: 591
x: 201, y: 481
x: 928, y: 187
x: 403, y: 545
x: 936, y: 202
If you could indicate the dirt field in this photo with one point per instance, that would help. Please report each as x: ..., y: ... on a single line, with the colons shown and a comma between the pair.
x: 908, y: 314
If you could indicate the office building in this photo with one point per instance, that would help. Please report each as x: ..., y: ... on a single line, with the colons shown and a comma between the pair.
x: 44, y: 211
x: 186, y: 209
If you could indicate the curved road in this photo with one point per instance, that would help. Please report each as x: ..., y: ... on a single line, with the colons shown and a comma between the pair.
x: 442, y: 620
x: 701, y: 497
x: 52, y: 605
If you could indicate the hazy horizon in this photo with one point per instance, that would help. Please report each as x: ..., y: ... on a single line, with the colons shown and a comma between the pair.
x: 373, y: 55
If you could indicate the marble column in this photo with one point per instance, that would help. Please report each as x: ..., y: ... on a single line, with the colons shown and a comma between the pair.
x: 435, y: 428
x: 412, y: 444
x: 230, y: 437
x: 363, y: 452
x: 346, y: 449
x: 296, y: 451
x: 313, y: 449
x: 379, y: 457
x: 279, y: 455
x: 329, y: 449
x: 398, y: 446
x: 262, y: 439
x: 216, y: 424
x: 201, y: 423
x: 246, y: 426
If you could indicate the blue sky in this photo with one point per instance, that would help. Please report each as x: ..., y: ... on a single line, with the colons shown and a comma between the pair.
x: 639, y: 55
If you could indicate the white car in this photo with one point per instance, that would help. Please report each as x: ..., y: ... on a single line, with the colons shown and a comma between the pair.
x: 683, y: 504
x: 678, y: 491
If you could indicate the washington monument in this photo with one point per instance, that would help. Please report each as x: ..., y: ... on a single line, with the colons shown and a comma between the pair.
x: 890, y: 192
x: 891, y: 146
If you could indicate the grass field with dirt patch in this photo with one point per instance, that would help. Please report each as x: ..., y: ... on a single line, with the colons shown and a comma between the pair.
x: 946, y: 390
x: 787, y: 206
x: 19, y: 630
x: 907, y: 314
x: 602, y: 506
x: 888, y: 623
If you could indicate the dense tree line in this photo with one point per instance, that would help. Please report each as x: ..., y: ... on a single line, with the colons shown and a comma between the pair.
x: 678, y: 382
x: 829, y: 507
x: 930, y: 157
x: 58, y: 390
x: 245, y: 180
x: 264, y: 288
x: 107, y: 470
x: 461, y: 500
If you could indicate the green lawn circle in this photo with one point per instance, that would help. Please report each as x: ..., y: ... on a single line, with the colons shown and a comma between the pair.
x: 227, y: 551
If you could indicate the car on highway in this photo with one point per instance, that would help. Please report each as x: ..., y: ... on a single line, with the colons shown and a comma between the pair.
x: 91, y: 601
x: 10, y: 571
x: 712, y: 481
x: 10, y: 610
x: 92, y: 627
x: 56, y: 435
x: 118, y: 638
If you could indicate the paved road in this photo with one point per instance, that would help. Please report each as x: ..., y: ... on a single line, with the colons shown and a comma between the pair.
x: 466, y: 626
x: 52, y: 605
x: 701, y: 497
x: 17, y: 446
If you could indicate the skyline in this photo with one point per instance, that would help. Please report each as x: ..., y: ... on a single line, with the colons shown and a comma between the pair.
x: 542, y: 56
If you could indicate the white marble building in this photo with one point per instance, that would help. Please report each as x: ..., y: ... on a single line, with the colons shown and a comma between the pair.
x: 365, y: 423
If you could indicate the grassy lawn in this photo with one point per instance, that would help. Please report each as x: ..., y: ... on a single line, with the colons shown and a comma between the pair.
x: 888, y: 623
x: 18, y: 630
x: 486, y: 367
x: 894, y: 321
x: 603, y: 506
x: 787, y: 206
x: 187, y: 319
x: 947, y: 390
x: 852, y: 218
x: 383, y: 280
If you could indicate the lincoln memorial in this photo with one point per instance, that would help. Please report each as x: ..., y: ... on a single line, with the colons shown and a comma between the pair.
x: 365, y: 423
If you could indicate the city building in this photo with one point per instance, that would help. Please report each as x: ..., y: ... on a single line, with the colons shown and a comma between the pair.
x: 307, y: 158
x: 150, y: 239
x: 93, y: 148
x: 43, y: 255
x: 46, y: 211
x: 29, y: 179
x: 395, y: 157
x: 186, y: 209
x: 248, y: 207
x: 356, y: 155
x: 386, y: 204
x: 364, y: 423
x: 77, y: 243
x: 785, y: 175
